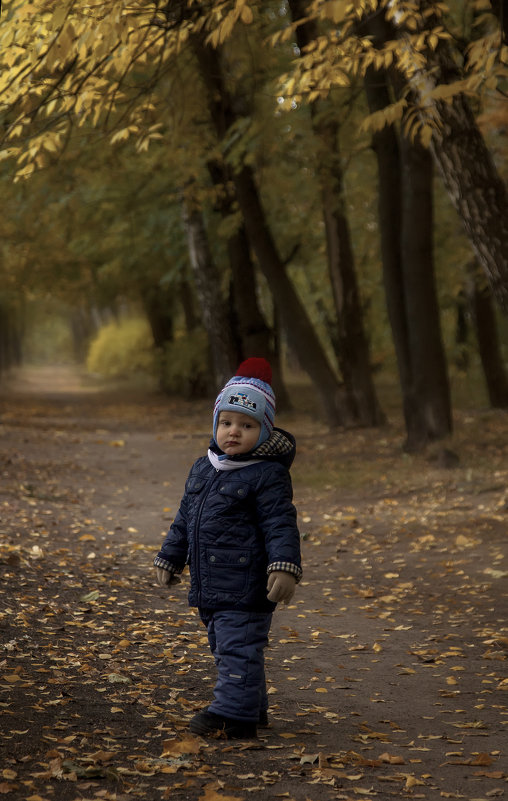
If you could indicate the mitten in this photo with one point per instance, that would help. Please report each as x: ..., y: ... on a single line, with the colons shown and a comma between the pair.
x: 281, y: 586
x: 166, y: 578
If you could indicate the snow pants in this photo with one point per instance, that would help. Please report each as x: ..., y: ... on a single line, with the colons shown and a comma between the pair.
x: 237, y: 641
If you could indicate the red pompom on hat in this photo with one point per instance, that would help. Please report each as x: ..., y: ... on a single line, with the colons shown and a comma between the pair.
x: 255, y: 367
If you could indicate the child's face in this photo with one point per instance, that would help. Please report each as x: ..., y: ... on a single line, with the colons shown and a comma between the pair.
x: 237, y: 432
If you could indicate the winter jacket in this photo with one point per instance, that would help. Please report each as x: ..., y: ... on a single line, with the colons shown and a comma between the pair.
x: 235, y: 526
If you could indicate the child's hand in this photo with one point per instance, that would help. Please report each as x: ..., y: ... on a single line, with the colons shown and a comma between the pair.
x: 281, y: 586
x: 166, y: 578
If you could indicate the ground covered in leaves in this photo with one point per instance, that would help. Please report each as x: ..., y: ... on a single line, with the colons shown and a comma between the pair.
x: 387, y: 674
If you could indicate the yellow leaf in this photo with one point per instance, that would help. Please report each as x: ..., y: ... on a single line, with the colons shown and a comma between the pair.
x: 246, y: 15
x: 176, y: 747
x: 211, y: 794
x: 465, y: 542
x: 102, y: 756
x: 391, y: 759
x: 412, y: 781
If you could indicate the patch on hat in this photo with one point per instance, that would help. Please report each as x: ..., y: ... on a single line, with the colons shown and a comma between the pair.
x: 242, y: 400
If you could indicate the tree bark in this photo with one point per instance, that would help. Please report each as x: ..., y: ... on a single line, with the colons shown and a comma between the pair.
x: 292, y: 312
x: 405, y: 218
x: 10, y: 339
x: 430, y: 396
x: 476, y: 189
x: 213, y: 310
x: 294, y: 317
x: 253, y: 336
x: 353, y: 352
x: 484, y: 317
x: 385, y: 144
x: 186, y: 296
x: 158, y: 308
x: 467, y: 167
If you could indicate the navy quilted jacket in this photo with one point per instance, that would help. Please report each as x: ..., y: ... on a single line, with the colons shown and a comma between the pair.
x: 235, y: 526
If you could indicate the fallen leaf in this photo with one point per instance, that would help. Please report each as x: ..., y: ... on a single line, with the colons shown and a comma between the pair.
x: 211, y: 794
x: 392, y: 759
x: 176, y: 747
x: 490, y: 774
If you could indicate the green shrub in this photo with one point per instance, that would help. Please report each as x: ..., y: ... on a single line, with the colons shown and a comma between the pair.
x: 122, y: 349
x: 186, y: 366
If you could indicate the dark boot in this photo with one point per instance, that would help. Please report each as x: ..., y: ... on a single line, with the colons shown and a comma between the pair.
x: 206, y: 723
x: 263, y: 719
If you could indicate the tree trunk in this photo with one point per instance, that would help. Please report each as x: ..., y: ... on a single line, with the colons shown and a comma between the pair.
x: 293, y: 314
x: 476, y: 189
x: 386, y: 148
x: 405, y: 203
x: 353, y: 351
x: 431, y: 417
x: 82, y: 325
x: 252, y: 334
x: 484, y: 317
x: 467, y: 167
x: 10, y: 339
x: 186, y: 296
x: 255, y: 336
x: 158, y: 308
x: 213, y: 310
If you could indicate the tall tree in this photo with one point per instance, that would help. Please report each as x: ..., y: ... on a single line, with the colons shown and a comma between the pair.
x: 216, y: 320
x: 406, y: 228
x: 353, y: 350
x: 419, y: 47
x: 487, y: 336
x: 252, y: 334
x: 429, y: 394
x: 301, y: 333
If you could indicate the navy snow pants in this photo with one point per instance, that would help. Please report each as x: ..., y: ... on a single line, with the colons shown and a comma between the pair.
x: 237, y: 641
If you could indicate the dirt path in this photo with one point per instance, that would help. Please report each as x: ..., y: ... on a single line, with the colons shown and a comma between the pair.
x: 388, y: 675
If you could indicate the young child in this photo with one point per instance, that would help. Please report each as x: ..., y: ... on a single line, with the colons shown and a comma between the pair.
x: 236, y: 528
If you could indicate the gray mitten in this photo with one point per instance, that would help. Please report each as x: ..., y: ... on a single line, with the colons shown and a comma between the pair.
x: 166, y: 578
x: 281, y: 586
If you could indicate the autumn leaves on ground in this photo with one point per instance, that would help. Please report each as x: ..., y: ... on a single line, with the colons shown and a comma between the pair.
x: 387, y: 674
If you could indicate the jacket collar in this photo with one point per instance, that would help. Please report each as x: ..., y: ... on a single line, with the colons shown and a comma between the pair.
x: 279, y: 447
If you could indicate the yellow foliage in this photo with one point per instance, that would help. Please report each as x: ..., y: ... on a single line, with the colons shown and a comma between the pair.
x: 121, y: 349
x: 72, y: 60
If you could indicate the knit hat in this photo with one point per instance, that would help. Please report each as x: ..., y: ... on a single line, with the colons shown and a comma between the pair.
x: 249, y: 392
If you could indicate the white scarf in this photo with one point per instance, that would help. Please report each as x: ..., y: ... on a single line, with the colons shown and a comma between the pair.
x: 228, y: 464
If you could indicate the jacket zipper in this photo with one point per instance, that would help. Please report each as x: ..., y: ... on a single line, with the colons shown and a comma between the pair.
x: 197, y: 560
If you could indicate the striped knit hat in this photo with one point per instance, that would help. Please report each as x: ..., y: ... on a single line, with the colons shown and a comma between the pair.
x: 249, y: 392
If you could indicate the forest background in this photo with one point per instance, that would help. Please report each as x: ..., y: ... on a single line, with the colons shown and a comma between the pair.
x: 322, y: 183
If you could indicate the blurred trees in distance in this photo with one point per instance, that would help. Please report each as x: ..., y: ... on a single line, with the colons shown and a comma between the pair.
x: 315, y: 180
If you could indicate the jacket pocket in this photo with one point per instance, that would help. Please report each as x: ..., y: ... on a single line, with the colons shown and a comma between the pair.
x: 234, y: 489
x: 228, y: 569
